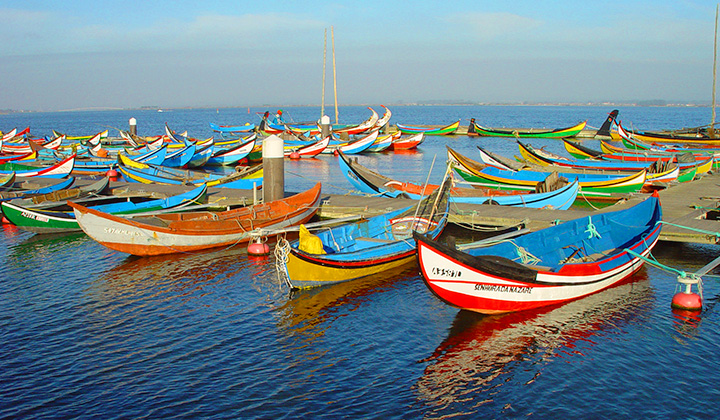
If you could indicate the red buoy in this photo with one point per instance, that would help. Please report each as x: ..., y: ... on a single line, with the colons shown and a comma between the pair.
x: 294, y: 155
x: 257, y: 247
x: 112, y: 173
x: 687, y: 300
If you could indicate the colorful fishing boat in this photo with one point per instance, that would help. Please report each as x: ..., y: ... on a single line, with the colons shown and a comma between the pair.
x: 231, y: 156
x: 354, y: 147
x: 309, y: 150
x: 366, y: 247
x: 407, y: 143
x: 58, y: 217
x: 532, y: 133
x: 536, y: 156
x: 244, y: 178
x: 52, y: 170
x: 194, y: 231
x: 368, y: 181
x: 546, y: 267
x: 382, y: 143
x: 248, y: 127
x: 442, y: 131
x: 593, y: 185
x: 669, y: 137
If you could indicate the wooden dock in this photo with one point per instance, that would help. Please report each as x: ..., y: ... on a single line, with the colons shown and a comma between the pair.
x: 689, y: 209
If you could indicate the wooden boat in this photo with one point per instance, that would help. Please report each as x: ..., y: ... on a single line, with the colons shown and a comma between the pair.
x: 383, y: 121
x: 181, y: 157
x: 28, y: 157
x: 25, y: 147
x: 532, y: 133
x: 246, y: 178
x: 309, y: 150
x: 447, y: 130
x: 366, y: 247
x: 7, y: 180
x: 668, y: 137
x: 371, y: 182
x: 537, y: 157
x: 193, y: 231
x: 382, y: 143
x: 408, y: 143
x: 232, y: 155
x: 248, y: 127
x: 21, y: 189
x: 58, y: 217
x: 592, y: 184
x: 363, y: 127
x: 202, y: 155
x: 549, y: 266
x: 60, y: 169
x: 354, y: 147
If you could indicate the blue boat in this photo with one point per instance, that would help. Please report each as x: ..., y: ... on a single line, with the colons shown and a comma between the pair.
x: 370, y: 182
x: 366, y: 247
x: 232, y: 128
x: 157, y: 174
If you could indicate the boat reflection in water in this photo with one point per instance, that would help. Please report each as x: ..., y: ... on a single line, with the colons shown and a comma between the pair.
x: 179, y: 275
x: 484, y: 353
x: 309, y: 312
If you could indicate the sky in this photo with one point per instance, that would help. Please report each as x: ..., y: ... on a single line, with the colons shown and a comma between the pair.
x: 95, y: 54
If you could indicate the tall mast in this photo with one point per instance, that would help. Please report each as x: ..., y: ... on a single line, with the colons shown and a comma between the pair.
x: 332, y: 36
x: 711, y: 131
x: 322, y: 107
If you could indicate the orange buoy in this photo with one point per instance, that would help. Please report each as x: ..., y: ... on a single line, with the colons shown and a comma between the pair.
x: 258, y: 247
x: 687, y: 300
x: 294, y: 155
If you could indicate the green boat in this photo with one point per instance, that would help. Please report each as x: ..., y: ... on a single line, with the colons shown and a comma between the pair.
x: 58, y: 217
x: 531, y: 133
x: 442, y: 131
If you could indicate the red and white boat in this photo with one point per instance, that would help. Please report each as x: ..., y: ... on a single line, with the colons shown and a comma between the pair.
x: 407, y: 143
x: 545, y: 267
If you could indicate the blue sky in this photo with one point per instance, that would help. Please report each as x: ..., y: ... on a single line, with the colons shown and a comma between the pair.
x: 57, y: 55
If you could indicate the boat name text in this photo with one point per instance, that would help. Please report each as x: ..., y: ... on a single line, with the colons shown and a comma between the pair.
x: 503, y: 289
x: 34, y: 216
x: 114, y: 231
x: 446, y: 272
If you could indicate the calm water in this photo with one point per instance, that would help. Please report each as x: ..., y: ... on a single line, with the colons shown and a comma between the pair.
x: 91, y: 333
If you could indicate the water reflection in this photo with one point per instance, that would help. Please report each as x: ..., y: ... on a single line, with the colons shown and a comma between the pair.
x: 184, y: 271
x: 484, y: 353
x: 308, y: 313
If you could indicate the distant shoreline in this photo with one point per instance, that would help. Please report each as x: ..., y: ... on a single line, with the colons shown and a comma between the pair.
x: 659, y: 104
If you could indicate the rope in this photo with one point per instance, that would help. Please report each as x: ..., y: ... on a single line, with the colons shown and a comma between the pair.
x: 592, y: 230
x: 282, y: 249
x: 707, y: 232
x: 679, y: 273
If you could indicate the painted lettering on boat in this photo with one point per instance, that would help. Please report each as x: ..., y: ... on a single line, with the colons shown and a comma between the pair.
x: 503, y: 289
x: 34, y: 216
x: 446, y: 272
x: 114, y: 231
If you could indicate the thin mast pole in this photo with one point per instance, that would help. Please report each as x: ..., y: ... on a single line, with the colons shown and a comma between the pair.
x: 712, y: 123
x: 332, y: 36
x: 322, y: 107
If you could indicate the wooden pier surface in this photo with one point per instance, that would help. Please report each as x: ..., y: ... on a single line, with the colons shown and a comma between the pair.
x: 684, y: 205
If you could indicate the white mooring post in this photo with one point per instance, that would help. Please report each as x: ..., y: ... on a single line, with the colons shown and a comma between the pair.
x: 133, y: 126
x: 273, y: 169
x: 325, y: 127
